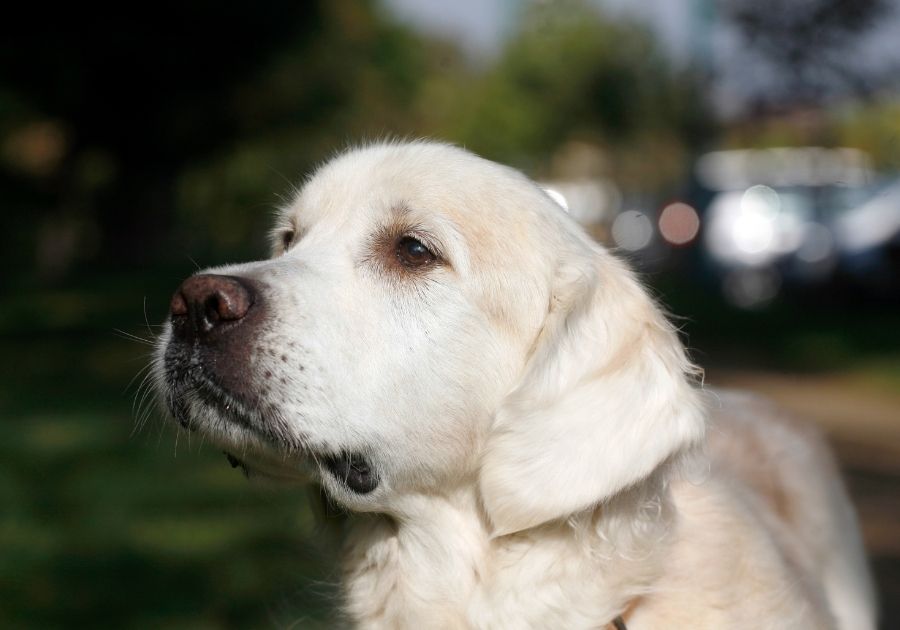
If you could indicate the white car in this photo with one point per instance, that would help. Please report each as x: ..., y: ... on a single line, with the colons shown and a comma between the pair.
x: 776, y: 216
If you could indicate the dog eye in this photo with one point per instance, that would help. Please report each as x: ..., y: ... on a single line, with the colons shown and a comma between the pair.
x: 413, y: 254
x: 287, y: 239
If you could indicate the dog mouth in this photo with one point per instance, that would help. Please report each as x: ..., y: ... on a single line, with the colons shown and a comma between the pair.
x: 353, y: 470
x: 199, y: 403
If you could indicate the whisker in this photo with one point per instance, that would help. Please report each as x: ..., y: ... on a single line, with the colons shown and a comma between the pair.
x: 143, y: 371
x: 294, y: 189
x: 144, y: 410
x: 131, y: 337
x: 147, y: 319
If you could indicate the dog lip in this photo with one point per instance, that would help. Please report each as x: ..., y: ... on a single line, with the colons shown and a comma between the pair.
x: 353, y: 470
x: 227, y: 403
x: 190, y: 367
x: 236, y: 463
x: 190, y: 382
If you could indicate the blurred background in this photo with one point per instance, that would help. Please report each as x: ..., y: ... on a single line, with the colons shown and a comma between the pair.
x: 744, y: 154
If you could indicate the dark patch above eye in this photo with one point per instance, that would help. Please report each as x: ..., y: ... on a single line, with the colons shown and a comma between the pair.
x: 413, y: 253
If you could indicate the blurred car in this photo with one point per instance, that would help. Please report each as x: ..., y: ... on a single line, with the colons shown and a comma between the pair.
x: 791, y: 217
x: 868, y: 240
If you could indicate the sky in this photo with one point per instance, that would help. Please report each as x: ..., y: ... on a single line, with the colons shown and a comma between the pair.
x: 480, y: 26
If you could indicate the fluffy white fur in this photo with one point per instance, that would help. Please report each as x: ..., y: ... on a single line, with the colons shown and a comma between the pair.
x: 545, y: 458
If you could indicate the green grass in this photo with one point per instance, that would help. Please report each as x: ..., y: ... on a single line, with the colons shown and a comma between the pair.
x: 104, y: 528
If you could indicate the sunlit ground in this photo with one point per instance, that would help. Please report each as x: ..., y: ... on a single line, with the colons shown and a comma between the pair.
x: 105, y: 527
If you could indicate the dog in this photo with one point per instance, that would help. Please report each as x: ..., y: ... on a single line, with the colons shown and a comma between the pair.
x: 510, y: 420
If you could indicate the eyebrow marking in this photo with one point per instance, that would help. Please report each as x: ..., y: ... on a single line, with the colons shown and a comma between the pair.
x: 381, y: 244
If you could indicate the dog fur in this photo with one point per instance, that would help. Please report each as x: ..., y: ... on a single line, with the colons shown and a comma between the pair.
x: 542, y: 453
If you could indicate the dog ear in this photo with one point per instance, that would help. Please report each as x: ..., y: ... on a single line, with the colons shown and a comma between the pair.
x: 604, y: 400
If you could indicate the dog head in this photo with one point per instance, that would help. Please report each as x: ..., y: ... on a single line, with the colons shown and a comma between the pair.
x: 431, y: 320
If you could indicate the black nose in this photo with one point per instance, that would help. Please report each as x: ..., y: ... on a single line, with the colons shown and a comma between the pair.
x: 205, y: 303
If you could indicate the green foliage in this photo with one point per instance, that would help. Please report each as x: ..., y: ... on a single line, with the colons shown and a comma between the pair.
x: 873, y: 127
x: 570, y: 73
x: 355, y: 77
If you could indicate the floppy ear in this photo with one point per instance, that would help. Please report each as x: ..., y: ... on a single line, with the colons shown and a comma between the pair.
x: 604, y: 400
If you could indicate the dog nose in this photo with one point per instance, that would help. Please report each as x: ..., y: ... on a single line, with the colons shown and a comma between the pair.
x: 206, y: 302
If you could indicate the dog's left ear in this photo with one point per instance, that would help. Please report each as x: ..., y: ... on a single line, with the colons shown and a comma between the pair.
x: 604, y: 400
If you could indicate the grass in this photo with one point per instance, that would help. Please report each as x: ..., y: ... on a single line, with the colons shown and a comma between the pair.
x: 104, y: 528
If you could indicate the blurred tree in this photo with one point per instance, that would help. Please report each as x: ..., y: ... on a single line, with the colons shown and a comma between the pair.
x: 132, y: 137
x: 873, y: 127
x: 571, y: 73
x: 812, y: 48
x: 137, y: 93
x: 113, y: 119
x: 356, y: 78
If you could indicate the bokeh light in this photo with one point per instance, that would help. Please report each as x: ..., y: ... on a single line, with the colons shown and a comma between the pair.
x: 679, y: 223
x: 632, y: 230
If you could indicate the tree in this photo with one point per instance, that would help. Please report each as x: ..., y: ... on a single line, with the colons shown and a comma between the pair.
x: 150, y: 104
x: 570, y: 73
x: 813, y: 48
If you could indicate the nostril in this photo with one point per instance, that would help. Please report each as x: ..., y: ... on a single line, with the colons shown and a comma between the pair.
x: 208, y: 316
x: 212, y: 308
x: 204, y: 302
x: 228, y: 304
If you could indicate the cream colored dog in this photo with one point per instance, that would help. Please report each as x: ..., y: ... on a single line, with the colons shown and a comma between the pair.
x: 508, y: 415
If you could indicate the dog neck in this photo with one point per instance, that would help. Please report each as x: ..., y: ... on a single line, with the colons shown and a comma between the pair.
x: 435, y: 564
x: 419, y: 565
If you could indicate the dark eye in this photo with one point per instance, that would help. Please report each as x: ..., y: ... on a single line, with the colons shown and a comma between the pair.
x: 287, y: 238
x: 412, y: 253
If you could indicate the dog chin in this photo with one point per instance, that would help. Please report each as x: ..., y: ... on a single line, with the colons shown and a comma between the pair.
x: 261, y: 454
x: 258, y: 445
x: 257, y: 464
